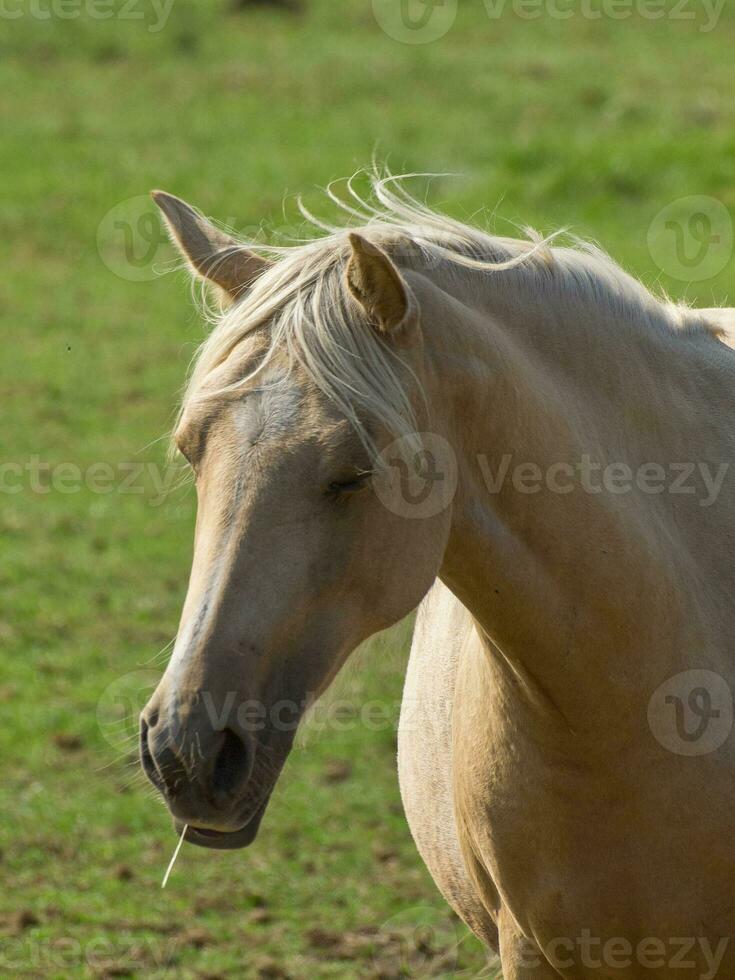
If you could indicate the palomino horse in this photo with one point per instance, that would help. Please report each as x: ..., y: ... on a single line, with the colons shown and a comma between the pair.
x: 565, y: 755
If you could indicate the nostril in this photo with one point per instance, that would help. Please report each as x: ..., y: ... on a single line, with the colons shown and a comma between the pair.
x: 146, y: 758
x: 231, y: 765
x: 143, y: 735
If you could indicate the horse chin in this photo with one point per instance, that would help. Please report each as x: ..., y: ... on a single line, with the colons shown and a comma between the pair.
x: 219, y: 840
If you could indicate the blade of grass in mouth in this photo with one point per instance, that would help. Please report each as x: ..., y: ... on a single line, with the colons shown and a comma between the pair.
x: 174, y: 856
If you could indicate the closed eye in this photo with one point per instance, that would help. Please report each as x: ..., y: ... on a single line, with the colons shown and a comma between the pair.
x: 351, y: 485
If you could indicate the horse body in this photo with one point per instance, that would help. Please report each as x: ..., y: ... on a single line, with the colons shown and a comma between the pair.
x: 539, y: 854
x: 574, y: 824
x: 571, y: 823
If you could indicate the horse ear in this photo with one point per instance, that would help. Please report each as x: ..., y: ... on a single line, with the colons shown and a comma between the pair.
x: 720, y: 322
x: 212, y: 254
x: 378, y: 286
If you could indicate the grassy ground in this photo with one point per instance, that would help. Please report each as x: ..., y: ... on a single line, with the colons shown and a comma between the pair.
x: 598, y: 124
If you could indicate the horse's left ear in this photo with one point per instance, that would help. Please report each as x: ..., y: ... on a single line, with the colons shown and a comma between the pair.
x: 378, y: 286
x: 211, y: 253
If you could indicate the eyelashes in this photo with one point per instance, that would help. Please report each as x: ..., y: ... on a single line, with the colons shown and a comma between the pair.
x: 339, y: 488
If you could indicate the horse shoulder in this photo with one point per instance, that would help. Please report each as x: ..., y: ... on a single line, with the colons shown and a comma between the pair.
x: 443, y: 628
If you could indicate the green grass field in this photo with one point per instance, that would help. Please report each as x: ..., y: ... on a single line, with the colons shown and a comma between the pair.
x: 597, y: 124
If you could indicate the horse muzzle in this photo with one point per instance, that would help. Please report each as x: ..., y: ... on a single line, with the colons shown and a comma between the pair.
x: 204, y: 775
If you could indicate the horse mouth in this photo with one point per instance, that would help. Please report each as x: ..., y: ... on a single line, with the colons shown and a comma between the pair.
x: 220, y: 840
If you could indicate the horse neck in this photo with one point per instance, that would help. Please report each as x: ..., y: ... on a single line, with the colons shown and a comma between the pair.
x: 560, y: 584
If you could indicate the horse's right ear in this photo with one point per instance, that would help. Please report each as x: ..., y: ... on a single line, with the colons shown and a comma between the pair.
x: 720, y: 322
x: 211, y: 253
x: 378, y: 286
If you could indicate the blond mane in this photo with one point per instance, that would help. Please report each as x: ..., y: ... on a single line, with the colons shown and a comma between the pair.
x: 314, y: 320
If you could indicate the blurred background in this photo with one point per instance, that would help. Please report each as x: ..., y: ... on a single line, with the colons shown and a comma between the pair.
x: 612, y: 117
